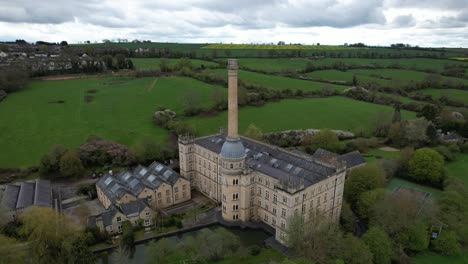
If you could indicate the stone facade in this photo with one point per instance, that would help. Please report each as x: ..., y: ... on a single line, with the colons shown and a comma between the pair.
x: 247, y: 194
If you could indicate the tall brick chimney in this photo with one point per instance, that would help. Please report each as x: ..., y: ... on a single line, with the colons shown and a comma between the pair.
x: 232, y: 149
x: 232, y: 67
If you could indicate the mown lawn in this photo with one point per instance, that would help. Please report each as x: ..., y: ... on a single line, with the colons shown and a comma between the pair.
x: 453, y: 94
x: 32, y: 120
x: 153, y: 63
x: 377, y: 154
x: 331, y: 112
x: 459, y: 167
x: 279, y: 82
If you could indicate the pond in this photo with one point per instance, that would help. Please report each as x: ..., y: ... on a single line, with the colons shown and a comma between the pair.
x: 247, y: 238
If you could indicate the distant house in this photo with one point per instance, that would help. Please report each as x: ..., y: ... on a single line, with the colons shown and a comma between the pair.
x: 452, y: 137
x: 21, y: 195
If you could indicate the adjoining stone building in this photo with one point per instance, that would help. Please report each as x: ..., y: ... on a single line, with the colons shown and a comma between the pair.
x: 15, y: 197
x: 255, y: 181
x: 134, y: 195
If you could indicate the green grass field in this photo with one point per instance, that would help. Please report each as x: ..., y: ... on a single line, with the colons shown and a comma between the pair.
x: 377, y: 154
x: 403, y: 76
x: 459, y: 167
x: 331, y: 112
x: 298, y: 64
x: 278, y: 82
x: 279, y: 47
x: 453, y: 94
x: 153, y: 63
x: 431, y: 258
x: 121, y: 110
x: 346, y: 76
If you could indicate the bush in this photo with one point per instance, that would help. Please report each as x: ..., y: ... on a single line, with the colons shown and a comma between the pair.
x: 255, y: 250
x: 426, y: 165
x: 464, y: 148
x: 99, y: 152
x: 445, y: 152
x: 446, y: 244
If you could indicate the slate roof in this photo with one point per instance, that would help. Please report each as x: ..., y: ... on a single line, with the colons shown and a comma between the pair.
x: 134, y: 181
x: 353, y: 159
x: 277, y: 162
x: 129, y: 209
x: 108, y: 215
x: 24, y: 194
x: 133, y: 208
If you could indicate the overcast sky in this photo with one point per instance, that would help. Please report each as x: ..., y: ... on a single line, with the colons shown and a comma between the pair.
x: 375, y: 22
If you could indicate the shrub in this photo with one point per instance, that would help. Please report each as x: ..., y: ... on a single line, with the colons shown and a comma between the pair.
x: 426, y: 165
x: 255, y: 250
x: 70, y: 164
x: 446, y: 244
x: 98, y: 152
x: 445, y: 152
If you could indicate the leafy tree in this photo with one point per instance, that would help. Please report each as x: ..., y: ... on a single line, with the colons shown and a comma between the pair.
x: 254, y: 132
x: 50, y: 162
x: 184, y: 63
x: 396, y: 114
x: 363, y: 179
x: 164, y: 65
x: 347, y: 217
x: 161, y: 250
x: 355, y: 80
x: 149, y: 150
x: 430, y: 112
x: 80, y: 253
x: 10, y: 251
x: 367, y: 200
x: 379, y: 244
x: 49, y: 234
x: 70, y: 164
x: 128, y: 237
x: 13, y: 79
x: 417, y: 237
x: 321, y: 241
x: 325, y: 139
x: 426, y: 165
x: 446, y: 244
x: 295, y: 232
x: 191, y: 102
x: 415, y: 131
x: 355, y: 251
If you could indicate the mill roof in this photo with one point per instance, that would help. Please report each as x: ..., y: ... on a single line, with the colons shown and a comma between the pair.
x: 275, y: 161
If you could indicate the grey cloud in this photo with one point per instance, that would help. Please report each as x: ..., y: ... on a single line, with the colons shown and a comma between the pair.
x: 428, y: 4
x: 404, y: 21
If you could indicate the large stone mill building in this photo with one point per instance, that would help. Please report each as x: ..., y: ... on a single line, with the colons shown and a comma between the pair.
x: 255, y: 181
